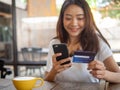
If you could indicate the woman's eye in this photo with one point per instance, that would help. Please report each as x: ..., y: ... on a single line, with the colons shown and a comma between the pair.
x: 68, y: 18
x: 80, y: 18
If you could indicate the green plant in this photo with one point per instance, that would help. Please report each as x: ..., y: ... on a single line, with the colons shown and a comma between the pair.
x: 111, y: 9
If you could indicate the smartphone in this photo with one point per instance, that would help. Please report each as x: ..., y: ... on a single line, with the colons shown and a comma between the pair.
x: 61, y: 48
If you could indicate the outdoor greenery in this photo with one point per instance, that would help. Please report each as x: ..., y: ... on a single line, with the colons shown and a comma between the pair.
x: 109, y: 8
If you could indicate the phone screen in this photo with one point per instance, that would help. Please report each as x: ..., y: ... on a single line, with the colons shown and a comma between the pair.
x: 61, y: 48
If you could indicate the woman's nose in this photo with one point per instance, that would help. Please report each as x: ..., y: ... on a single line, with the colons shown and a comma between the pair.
x: 74, y: 22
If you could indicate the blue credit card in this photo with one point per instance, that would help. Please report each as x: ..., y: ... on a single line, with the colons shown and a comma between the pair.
x: 83, y: 56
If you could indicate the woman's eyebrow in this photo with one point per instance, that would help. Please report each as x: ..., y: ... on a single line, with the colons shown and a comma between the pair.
x: 76, y: 15
x: 80, y: 14
x: 68, y: 14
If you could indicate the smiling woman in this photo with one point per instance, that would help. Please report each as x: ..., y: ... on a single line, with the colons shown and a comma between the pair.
x: 77, y: 29
x: 74, y: 20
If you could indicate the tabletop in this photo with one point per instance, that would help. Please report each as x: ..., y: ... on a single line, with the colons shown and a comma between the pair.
x: 113, y: 86
x: 6, y: 84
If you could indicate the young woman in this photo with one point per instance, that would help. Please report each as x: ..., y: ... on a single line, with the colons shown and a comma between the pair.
x: 76, y: 28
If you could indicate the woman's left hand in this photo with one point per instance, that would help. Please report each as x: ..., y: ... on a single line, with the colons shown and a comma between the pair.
x: 97, y: 69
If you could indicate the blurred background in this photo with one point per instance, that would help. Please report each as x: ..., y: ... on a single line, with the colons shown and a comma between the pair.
x: 27, y: 26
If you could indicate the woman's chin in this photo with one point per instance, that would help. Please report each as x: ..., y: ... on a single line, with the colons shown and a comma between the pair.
x: 74, y: 35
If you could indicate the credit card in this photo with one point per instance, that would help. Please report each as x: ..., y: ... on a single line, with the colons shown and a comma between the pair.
x: 83, y: 56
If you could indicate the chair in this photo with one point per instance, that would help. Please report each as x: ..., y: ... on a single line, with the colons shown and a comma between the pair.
x: 4, y: 71
x: 32, y: 54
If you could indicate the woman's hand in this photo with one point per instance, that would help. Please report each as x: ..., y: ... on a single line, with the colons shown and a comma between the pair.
x: 57, y: 64
x: 97, y: 69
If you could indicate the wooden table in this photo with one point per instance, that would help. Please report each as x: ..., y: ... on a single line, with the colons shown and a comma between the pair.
x: 114, y: 87
x: 6, y: 84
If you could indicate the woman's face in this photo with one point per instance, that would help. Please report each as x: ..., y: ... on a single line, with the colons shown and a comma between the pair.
x: 74, y: 20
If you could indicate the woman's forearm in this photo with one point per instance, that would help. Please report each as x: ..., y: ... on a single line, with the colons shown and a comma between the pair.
x: 113, y: 77
x: 51, y: 75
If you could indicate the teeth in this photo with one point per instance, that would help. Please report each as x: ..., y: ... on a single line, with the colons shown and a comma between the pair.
x: 74, y: 29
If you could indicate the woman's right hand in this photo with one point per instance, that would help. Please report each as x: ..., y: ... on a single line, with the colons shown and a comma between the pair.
x: 57, y: 67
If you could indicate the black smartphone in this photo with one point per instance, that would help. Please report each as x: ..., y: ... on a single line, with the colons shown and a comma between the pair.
x: 61, y: 48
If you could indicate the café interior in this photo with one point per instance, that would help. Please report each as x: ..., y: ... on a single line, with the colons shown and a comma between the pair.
x: 26, y: 28
x: 25, y: 34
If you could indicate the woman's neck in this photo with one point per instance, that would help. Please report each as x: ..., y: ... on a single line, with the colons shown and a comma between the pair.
x: 73, y: 40
x: 73, y: 45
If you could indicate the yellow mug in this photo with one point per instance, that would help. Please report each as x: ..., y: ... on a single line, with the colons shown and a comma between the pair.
x: 27, y: 83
